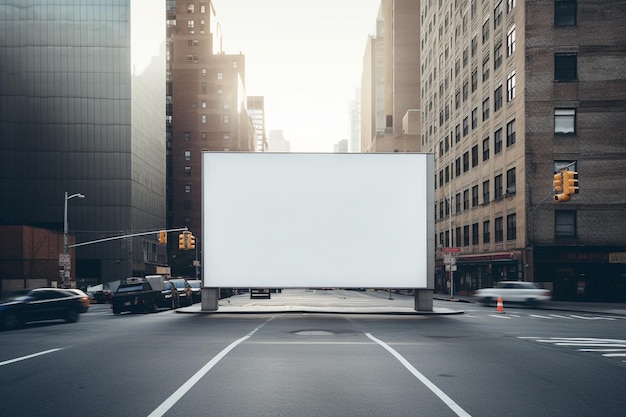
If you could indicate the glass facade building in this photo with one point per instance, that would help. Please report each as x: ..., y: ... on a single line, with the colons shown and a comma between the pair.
x: 82, y: 110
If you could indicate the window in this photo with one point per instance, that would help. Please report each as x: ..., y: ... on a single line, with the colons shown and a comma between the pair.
x: 486, y: 109
x: 190, y: 8
x: 474, y: 46
x: 187, y: 171
x: 466, y: 162
x: 457, y: 133
x: 485, y: 149
x: 465, y: 126
x: 465, y: 199
x: 187, y: 188
x: 564, y: 223
x: 187, y: 155
x: 497, y: 99
x: 564, y: 121
x: 475, y: 234
x: 565, y: 67
x: 457, y: 233
x: 474, y: 155
x: 203, y: 104
x: 187, y: 136
x: 226, y: 119
x: 203, y: 88
x: 226, y: 136
x: 203, y: 119
x: 497, y: 186
x: 497, y: 14
x: 474, y: 118
x: 485, y: 31
x: 187, y: 204
x: 474, y: 195
x: 441, y: 178
x: 457, y: 167
x: 565, y: 12
x: 486, y: 68
x: 485, y: 192
x: 466, y: 235
x: 203, y: 135
x: 458, y: 202
x: 510, y: 86
x: 190, y: 24
x: 510, y: 181
x: 202, y: 8
x: 497, y: 141
x: 441, y: 209
x: 465, y: 53
x: 474, y: 80
x: 447, y: 174
x: 510, y: 5
x: 510, y: 42
x: 465, y: 91
x: 220, y: 75
x: 499, y: 237
x: 510, y: 133
x: 497, y: 56
x: 511, y: 227
x: 203, y: 72
x: 486, y: 231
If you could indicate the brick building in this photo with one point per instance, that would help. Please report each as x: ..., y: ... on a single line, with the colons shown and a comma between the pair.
x: 513, y: 92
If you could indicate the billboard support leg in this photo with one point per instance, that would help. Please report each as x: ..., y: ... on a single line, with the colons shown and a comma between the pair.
x: 210, y: 298
x: 423, y: 299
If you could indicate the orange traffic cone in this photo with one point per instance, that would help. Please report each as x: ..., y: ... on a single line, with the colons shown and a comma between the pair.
x: 500, y: 307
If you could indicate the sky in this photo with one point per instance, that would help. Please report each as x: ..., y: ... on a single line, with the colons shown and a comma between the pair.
x: 305, y: 58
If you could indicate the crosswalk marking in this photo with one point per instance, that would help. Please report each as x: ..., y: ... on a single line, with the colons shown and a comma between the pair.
x: 609, y: 348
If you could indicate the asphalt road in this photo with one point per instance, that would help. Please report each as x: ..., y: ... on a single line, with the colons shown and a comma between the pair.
x: 527, y: 362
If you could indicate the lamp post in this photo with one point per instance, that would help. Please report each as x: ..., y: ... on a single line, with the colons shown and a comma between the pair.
x: 66, y: 262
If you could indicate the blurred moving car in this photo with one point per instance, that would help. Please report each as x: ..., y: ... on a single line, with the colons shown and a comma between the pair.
x: 169, y: 296
x: 84, y: 298
x: 184, y: 291
x: 40, y: 304
x: 528, y: 293
x: 196, y: 289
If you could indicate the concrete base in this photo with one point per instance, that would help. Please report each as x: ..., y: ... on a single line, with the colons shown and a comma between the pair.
x: 210, y: 299
x: 423, y: 300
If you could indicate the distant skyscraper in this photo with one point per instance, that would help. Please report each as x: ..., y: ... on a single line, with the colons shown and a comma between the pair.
x: 355, y: 123
x: 341, y: 146
x: 277, y: 142
x: 82, y: 110
x: 256, y: 110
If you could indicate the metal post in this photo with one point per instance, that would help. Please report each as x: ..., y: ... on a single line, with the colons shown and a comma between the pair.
x: 67, y: 268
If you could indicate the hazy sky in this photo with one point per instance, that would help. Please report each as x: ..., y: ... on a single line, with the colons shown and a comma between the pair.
x: 305, y: 58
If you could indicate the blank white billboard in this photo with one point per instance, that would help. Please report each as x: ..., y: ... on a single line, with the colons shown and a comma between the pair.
x: 285, y: 220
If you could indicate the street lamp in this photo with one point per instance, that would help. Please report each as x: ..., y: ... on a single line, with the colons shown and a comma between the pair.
x: 67, y: 262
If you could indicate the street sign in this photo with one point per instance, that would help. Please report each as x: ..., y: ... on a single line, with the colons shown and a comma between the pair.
x: 64, y: 259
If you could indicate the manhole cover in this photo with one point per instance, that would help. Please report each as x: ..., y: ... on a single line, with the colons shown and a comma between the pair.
x: 314, y: 333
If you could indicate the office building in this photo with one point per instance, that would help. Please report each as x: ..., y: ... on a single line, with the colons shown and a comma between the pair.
x: 82, y: 110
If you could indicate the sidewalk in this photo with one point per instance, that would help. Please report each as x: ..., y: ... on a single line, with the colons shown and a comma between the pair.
x: 370, y: 302
x: 571, y: 306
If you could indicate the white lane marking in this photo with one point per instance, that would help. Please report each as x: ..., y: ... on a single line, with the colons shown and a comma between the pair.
x: 593, y: 318
x: 500, y: 316
x: 22, y: 358
x: 540, y: 317
x: 178, y: 394
x: 591, y: 344
x: 558, y: 316
x: 439, y: 393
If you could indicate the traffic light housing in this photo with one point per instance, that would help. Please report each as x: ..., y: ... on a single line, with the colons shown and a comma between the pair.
x: 557, y: 182
x: 182, y: 240
x: 191, y: 241
x: 570, y: 182
x: 162, y: 237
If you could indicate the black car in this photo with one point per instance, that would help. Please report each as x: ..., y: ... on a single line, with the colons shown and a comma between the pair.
x: 184, y: 291
x: 169, y: 296
x: 40, y: 304
x: 196, y: 289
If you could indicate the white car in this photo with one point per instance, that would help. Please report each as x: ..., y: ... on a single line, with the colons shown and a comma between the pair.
x: 528, y: 293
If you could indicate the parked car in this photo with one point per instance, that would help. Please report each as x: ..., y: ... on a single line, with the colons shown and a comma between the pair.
x: 196, y: 289
x: 169, y: 296
x: 184, y: 291
x: 40, y: 304
x: 528, y: 293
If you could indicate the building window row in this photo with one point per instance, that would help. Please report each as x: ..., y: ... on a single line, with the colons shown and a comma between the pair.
x: 470, y: 234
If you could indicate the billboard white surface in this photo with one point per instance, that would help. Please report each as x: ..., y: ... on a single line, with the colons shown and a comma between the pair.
x: 285, y: 220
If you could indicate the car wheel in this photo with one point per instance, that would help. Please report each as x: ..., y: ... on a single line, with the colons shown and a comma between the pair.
x: 72, y: 316
x: 532, y: 302
x: 487, y: 301
x: 116, y: 311
x: 11, y: 321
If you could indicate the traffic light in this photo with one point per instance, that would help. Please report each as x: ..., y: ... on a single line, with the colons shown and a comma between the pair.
x: 558, y: 186
x: 570, y: 182
x: 557, y: 183
x: 163, y: 237
x: 182, y: 240
x: 191, y: 241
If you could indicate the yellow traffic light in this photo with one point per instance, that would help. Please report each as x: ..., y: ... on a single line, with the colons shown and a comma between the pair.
x: 182, y: 240
x: 191, y: 241
x: 557, y: 182
x: 163, y: 237
x: 570, y: 182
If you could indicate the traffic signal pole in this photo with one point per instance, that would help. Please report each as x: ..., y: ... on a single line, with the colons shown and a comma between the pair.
x: 91, y: 242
